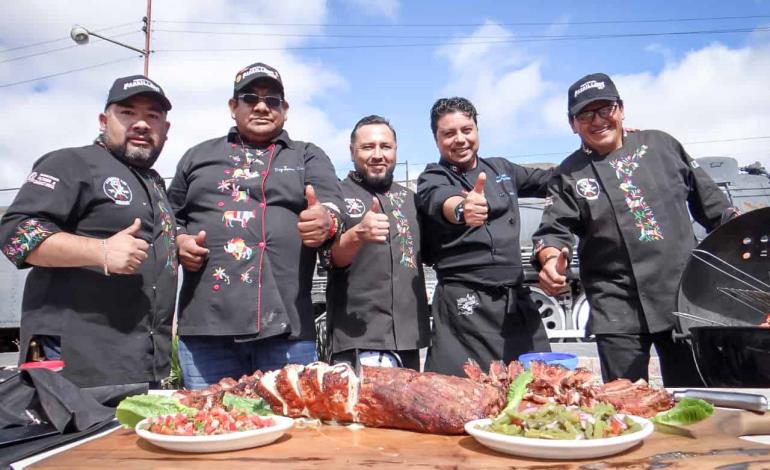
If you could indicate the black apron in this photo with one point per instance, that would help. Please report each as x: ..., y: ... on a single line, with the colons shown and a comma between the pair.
x: 482, y: 323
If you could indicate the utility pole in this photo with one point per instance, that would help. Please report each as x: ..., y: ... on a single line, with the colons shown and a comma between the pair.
x: 147, y: 28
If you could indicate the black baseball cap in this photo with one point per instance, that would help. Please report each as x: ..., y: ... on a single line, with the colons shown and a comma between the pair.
x: 126, y: 87
x: 593, y: 87
x: 248, y: 74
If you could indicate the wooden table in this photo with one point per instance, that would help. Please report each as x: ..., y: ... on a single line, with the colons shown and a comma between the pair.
x: 710, y: 444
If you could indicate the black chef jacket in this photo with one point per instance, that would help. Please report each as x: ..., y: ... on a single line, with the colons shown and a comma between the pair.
x: 114, y: 329
x: 630, y: 212
x: 258, y: 275
x: 378, y: 301
x: 487, y: 255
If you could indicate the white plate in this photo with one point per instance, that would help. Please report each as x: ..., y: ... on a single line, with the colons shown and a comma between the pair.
x: 218, y: 442
x: 557, y: 449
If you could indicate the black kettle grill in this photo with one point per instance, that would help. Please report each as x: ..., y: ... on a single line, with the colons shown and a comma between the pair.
x: 724, y: 295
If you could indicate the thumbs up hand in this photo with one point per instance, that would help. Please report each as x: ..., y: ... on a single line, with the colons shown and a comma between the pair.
x: 314, y: 222
x: 552, y: 277
x: 476, y: 209
x: 123, y: 252
x: 192, y: 250
x: 375, y: 226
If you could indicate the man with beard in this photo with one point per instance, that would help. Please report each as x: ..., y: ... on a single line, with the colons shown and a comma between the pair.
x: 94, y: 224
x: 377, y: 310
x: 252, y: 207
x: 470, y: 206
x: 626, y: 196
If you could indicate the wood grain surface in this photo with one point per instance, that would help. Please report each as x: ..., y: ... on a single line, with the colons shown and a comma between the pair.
x: 709, y: 444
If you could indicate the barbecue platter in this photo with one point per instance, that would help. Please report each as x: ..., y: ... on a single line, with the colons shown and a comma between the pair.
x: 423, y: 401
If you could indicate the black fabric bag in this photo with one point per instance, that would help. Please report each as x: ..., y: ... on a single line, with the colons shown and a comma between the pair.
x: 41, y: 410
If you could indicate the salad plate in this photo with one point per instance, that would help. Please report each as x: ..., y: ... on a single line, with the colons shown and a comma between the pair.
x: 557, y: 449
x: 218, y: 442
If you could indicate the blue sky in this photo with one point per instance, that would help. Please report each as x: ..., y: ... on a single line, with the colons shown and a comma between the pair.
x: 709, y: 90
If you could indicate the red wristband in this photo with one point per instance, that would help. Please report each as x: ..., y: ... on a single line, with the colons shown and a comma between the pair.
x: 333, y: 225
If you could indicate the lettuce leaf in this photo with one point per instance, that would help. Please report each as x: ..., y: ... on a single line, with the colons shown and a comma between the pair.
x: 516, y: 391
x: 256, y: 406
x: 135, y: 408
x: 687, y: 411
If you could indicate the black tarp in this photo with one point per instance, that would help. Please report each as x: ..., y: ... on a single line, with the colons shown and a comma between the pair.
x: 41, y: 410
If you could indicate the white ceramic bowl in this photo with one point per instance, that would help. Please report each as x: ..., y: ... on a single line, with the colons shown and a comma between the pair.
x: 218, y: 442
x: 557, y: 449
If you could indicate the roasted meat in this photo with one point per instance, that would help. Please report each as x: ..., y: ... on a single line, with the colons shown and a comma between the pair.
x: 425, y: 402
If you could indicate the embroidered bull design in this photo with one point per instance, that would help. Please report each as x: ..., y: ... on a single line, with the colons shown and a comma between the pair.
x: 238, y: 217
x: 244, y: 173
x: 238, y: 248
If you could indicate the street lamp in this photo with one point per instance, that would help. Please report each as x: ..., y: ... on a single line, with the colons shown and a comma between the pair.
x: 80, y: 35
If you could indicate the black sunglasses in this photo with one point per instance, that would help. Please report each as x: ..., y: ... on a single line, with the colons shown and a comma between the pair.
x: 604, y: 112
x: 253, y: 99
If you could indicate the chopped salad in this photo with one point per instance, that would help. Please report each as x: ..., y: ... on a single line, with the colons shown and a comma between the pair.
x: 552, y: 421
x: 207, y: 423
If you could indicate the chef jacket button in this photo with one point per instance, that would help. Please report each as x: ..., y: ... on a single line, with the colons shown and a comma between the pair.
x: 511, y: 220
x: 152, y: 332
x: 283, y: 325
x: 154, y: 287
x: 151, y: 244
x: 261, y: 204
x: 261, y: 244
x: 144, y: 203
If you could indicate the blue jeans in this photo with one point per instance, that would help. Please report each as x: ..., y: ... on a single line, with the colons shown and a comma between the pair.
x: 205, y: 360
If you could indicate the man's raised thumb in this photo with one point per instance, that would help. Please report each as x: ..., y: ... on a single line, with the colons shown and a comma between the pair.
x: 134, y: 228
x: 480, y: 181
x: 200, y: 239
x: 562, y: 261
x: 310, y: 195
x: 375, y: 206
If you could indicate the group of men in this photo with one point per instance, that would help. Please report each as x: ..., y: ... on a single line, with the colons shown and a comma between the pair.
x: 248, y: 214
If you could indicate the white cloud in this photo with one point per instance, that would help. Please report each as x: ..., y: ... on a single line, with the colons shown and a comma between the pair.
x: 387, y: 8
x: 62, y: 111
x: 501, y: 80
x: 712, y: 93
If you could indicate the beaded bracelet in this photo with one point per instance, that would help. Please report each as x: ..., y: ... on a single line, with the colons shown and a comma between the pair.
x: 104, y: 250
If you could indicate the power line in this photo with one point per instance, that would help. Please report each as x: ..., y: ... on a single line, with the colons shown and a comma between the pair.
x: 434, y: 36
x: 467, y: 42
x: 444, y: 25
x: 6, y: 85
x: 50, y: 41
x: 49, y: 51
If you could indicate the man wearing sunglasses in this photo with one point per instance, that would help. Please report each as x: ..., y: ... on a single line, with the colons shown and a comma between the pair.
x: 251, y: 207
x: 626, y: 196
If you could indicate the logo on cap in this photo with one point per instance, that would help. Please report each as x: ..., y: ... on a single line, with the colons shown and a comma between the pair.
x: 141, y: 82
x: 261, y: 69
x: 588, y: 85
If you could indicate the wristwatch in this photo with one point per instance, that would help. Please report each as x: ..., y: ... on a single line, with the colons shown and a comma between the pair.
x: 460, y: 212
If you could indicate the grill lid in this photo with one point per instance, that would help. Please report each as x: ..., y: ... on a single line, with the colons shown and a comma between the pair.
x: 733, y: 258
